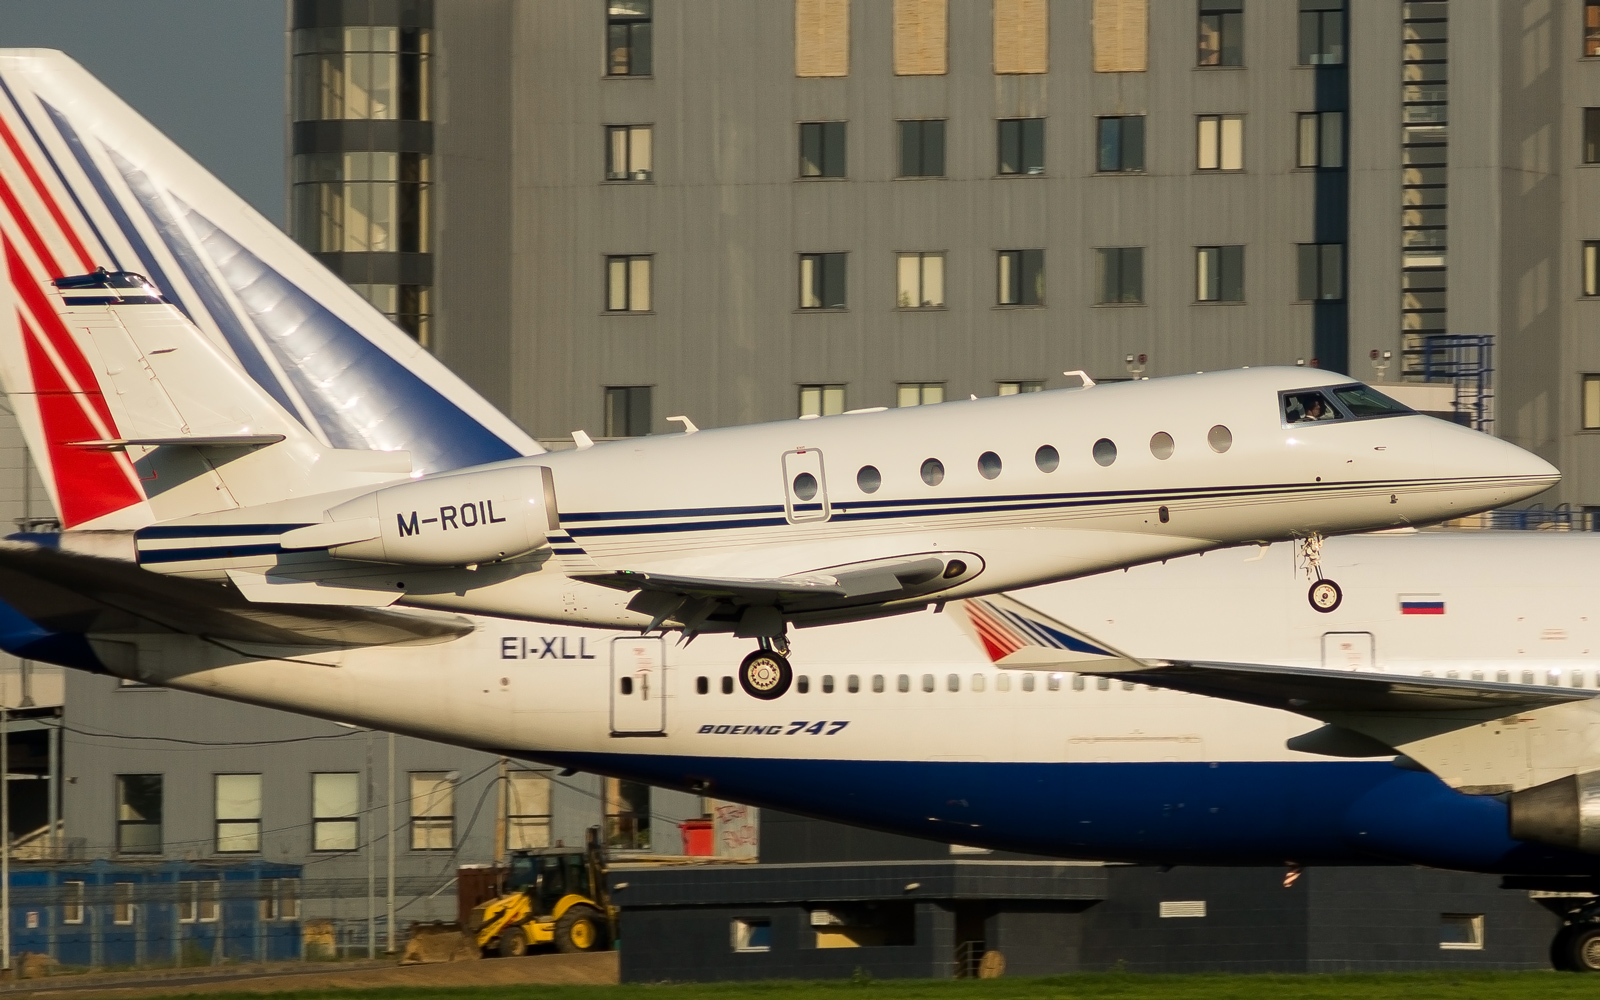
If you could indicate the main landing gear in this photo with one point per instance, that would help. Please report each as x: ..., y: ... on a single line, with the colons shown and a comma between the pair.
x: 1576, y: 947
x: 766, y: 673
x: 1325, y: 595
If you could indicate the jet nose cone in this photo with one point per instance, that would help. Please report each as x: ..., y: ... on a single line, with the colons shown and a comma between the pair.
x: 1522, y: 473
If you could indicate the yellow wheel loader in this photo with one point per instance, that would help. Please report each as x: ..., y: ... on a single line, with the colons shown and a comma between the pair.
x: 553, y: 896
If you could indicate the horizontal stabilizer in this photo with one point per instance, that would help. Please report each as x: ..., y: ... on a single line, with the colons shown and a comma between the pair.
x: 224, y: 441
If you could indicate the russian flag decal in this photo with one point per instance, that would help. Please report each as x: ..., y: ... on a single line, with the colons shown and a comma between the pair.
x: 1421, y: 604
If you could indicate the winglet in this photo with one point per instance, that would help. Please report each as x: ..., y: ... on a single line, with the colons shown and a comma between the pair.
x: 1016, y: 636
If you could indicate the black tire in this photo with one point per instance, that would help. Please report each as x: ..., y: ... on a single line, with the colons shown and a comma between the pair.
x: 580, y: 929
x: 512, y: 943
x: 765, y: 674
x: 1561, y: 950
x: 1325, y: 596
x: 1583, y: 948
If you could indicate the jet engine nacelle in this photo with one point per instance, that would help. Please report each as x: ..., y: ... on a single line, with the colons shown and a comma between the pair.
x: 456, y: 520
x: 1562, y: 813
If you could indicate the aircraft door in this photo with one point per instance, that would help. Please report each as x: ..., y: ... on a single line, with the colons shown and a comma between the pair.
x: 1349, y: 651
x: 638, y: 687
x: 805, y: 488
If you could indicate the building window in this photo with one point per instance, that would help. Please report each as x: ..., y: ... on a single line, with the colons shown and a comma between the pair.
x: 1591, y: 402
x: 122, y: 902
x: 1021, y: 277
x: 1591, y: 135
x: 1461, y: 931
x: 921, y: 37
x: 280, y: 899
x: 1321, y: 271
x: 628, y: 37
x: 628, y: 284
x: 1219, y: 274
x: 822, y: 149
x: 922, y: 148
x: 335, y: 811
x: 361, y: 73
x: 1120, y: 31
x: 821, y: 37
x: 751, y: 934
x: 199, y: 900
x: 1591, y: 267
x: 362, y: 202
x: 627, y: 815
x: 821, y: 400
x: 238, y: 809
x: 1022, y: 145
x: 1121, y: 277
x: 1021, y: 36
x: 1120, y: 141
x: 1016, y: 388
x: 1321, y: 32
x: 138, y: 814
x: 918, y: 393
x: 1321, y: 140
x: 433, y: 811
x: 407, y: 306
x: 628, y: 152
x: 1591, y: 27
x: 1221, y: 33
x: 527, y: 810
x: 920, y: 280
x: 72, y: 902
x: 1219, y: 142
x: 627, y: 411
x: 822, y: 280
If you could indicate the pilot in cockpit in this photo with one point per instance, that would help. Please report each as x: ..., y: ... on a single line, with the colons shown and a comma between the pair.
x: 1306, y: 407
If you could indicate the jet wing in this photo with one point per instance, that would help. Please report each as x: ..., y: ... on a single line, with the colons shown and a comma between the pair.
x: 69, y: 591
x: 694, y: 601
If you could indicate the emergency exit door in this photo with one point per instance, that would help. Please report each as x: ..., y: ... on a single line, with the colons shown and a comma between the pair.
x: 638, y: 687
x: 1348, y: 651
x: 805, y: 489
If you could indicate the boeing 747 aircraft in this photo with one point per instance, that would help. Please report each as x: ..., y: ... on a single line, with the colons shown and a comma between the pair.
x: 210, y: 406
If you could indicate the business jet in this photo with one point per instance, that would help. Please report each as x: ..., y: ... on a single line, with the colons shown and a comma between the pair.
x: 210, y: 406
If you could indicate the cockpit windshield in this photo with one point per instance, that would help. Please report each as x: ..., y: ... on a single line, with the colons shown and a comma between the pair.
x: 1308, y: 406
x: 1365, y: 401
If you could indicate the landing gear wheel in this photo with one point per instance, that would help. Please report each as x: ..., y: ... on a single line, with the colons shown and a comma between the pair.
x: 581, y: 928
x: 1583, y: 948
x: 765, y: 674
x: 513, y: 943
x: 1325, y: 596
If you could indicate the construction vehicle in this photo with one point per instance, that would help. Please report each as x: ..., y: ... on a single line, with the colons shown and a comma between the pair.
x: 552, y: 896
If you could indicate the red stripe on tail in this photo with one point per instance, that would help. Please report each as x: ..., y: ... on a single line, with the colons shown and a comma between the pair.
x: 50, y: 204
x: 34, y: 299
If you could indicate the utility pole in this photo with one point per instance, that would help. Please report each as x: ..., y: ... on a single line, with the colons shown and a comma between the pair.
x: 372, y: 861
x: 5, y: 837
x: 389, y: 838
x: 502, y: 811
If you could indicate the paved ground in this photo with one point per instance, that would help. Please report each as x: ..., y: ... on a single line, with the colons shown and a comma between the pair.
x: 534, y: 969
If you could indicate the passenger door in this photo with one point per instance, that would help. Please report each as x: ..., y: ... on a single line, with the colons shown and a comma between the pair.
x: 638, y: 687
x: 805, y: 488
x: 1349, y: 651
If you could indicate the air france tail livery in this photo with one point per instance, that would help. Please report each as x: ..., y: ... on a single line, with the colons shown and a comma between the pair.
x: 216, y: 410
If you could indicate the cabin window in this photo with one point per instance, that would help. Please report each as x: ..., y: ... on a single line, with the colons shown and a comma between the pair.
x: 827, y: 684
x: 805, y: 486
x: 1219, y: 438
x: 1127, y: 685
x: 877, y: 684
x: 953, y: 682
x: 1077, y: 682
x: 868, y: 479
x: 1002, y: 682
x: 1528, y: 677
x: 927, y: 683
x: 1577, y: 678
x: 1102, y: 683
x: 702, y: 685
x: 1161, y: 445
x: 1503, y: 676
x: 627, y: 685
x: 802, y: 684
x: 933, y: 472
x: 1027, y: 682
x: 1047, y: 458
x: 1105, y: 451
x: 1308, y: 407
x: 977, y: 682
x: 1055, y: 682
x: 727, y: 685
x: 989, y: 465
x: 904, y: 683
x: 853, y: 685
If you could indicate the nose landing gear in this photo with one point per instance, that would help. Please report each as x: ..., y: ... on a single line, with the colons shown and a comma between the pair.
x: 766, y: 673
x: 1325, y: 595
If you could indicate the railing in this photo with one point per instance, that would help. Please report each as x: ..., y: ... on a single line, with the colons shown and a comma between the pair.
x: 1537, y: 517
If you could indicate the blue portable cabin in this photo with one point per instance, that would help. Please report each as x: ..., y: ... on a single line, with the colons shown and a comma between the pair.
x: 98, y: 914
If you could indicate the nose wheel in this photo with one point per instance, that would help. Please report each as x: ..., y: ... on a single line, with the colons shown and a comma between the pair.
x: 766, y: 673
x: 1324, y: 596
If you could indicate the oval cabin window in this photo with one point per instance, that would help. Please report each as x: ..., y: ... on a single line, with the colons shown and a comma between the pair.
x: 1047, y: 458
x: 989, y: 465
x: 1105, y: 452
x: 933, y: 472
x: 1220, y: 439
x: 868, y: 479
x: 1161, y: 445
x: 805, y: 486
